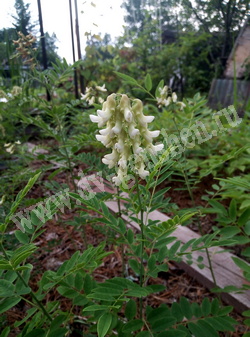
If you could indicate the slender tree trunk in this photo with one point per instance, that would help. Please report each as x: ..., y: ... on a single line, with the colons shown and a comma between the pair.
x: 44, y: 54
x: 73, y: 50
x: 79, y: 46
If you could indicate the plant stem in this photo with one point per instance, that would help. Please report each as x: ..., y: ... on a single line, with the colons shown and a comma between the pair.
x: 184, y: 172
x: 26, y: 285
x: 142, y: 244
x: 34, y: 297
x: 122, y: 245
x: 67, y: 154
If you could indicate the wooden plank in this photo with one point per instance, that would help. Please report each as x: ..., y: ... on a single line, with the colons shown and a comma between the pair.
x: 225, y: 270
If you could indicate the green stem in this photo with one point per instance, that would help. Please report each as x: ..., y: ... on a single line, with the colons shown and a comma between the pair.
x: 122, y: 245
x: 184, y: 172
x: 27, y: 286
x: 142, y: 245
x: 67, y: 154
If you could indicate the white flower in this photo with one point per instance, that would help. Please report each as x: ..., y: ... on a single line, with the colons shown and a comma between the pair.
x: 167, y: 101
x: 137, y: 149
x: 105, y: 140
x: 123, y: 162
x: 106, y: 131
x: 97, y: 119
x: 117, y: 181
x: 127, y: 134
x: 83, y: 97
x: 121, y: 176
x: 110, y: 159
x: 9, y: 147
x: 105, y: 114
x: 100, y: 100
x: 91, y: 101
x: 181, y: 105
x: 156, y: 148
x: 148, y: 135
x: 118, y: 127
x: 144, y: 120
x: 128, y: 115
x: 3, y: 100
x: 174, y: 97
x: 2, y: 200
x: 163, y: 90
x: 102, y: 88
x: 132, y: 131
x: 119, y: 146
x: 142, y: 172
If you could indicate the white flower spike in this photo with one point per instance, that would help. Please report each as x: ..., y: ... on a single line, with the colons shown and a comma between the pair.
x: 127, y: 134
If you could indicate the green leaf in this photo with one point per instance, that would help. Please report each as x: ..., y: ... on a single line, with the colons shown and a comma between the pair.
x: 67, y: 292
x: 126, y: 78
x: 134, y: 325
x: 206, y: 307
x: 215, y: 306
x: 4, y: 264
x: 196, y: 330
x: 177, y: 312
x: 22, y: 237
x: 247, y: 322
x: 225, y: 311
x: 143, y: 334
x: 21, y: 253
x: 229, y: 231
x: 30, y: 312
x: 148, y: 82
x: 60, y: 332
x: 36, y: 333
x: 163, y: 322
x: 5, y: 332
x: 247, y: 228
x: 217, y: 324
x: 196, y: 309
x: 172, y: 333
x: 6, y: 288
x: 130, y: 309
x: 78, y: 281
x: 233, y: 210
x: 186, y: 308
x: 21, y: 195
x: 101, y: 296
x: 103, y: 324
x: 208, y: 329
x: 245, y: 216
x: 218, y: 207
x: 130, y: 236
x: 246, y: 252
x: 96, y: 307
x: 8, y: 303
x: 134, y: 264
x: 242, y: 264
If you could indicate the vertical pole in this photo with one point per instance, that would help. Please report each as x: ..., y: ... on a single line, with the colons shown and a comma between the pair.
x: 79, y: 46
x: 44, y: 54
x: 73, y: 50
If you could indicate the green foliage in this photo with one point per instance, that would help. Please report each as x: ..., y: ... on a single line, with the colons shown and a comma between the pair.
x: 117, y: 306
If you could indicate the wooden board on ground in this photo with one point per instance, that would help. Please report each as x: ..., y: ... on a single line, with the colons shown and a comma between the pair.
x: 225, y: 271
